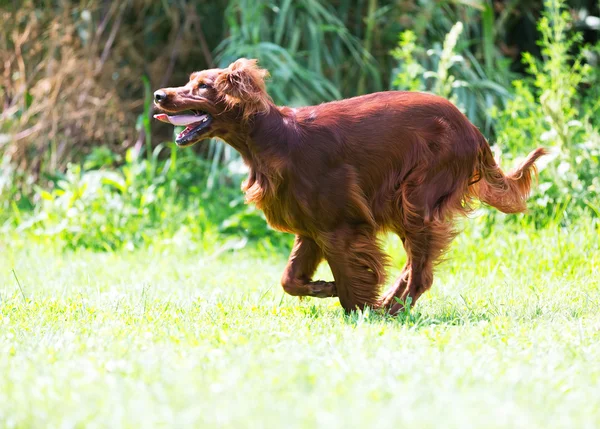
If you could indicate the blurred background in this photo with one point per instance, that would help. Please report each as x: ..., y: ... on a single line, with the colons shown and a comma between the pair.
x: 83, y: 164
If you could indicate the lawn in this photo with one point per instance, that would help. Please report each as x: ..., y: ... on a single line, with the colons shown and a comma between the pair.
x: 173, y: 336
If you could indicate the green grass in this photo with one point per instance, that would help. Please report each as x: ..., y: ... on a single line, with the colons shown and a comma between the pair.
x: 509, y: 337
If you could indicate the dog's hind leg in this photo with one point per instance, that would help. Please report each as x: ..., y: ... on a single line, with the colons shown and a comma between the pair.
x: 424, y: 247
x: 303, y: 262
x: 429, y: 200
x: 387, y: 299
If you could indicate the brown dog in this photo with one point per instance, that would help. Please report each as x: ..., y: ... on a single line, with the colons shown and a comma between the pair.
x: 337, y: 174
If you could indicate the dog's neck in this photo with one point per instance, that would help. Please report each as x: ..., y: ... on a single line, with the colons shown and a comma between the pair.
x: 263, y: 143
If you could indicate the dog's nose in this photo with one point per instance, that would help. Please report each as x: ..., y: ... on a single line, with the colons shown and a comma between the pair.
x: 160, y: 95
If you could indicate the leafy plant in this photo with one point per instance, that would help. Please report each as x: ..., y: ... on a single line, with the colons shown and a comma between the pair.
x: 71, y: 92
x: 300, y: 42
x: 548, y: 109
x: 143, y: 202
x: 443, y: 70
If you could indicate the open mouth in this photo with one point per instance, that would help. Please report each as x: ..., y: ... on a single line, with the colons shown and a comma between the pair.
x: 195, y: 122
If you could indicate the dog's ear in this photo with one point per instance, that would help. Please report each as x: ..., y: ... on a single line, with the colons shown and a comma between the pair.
x: 242, y: 84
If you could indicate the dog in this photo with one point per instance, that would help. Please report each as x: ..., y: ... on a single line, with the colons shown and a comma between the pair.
x: 338, y: 174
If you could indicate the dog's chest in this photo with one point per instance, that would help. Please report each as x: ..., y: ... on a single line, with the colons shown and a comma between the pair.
x: 289, y: 211
x: 283, y: 214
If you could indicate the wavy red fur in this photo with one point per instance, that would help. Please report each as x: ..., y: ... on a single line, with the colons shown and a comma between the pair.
x: 339, y: 173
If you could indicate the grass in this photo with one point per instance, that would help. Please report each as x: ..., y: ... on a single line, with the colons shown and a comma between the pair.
x: 509, y: 336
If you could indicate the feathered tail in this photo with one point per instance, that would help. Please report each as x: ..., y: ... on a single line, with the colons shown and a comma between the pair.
x: 506, y: 192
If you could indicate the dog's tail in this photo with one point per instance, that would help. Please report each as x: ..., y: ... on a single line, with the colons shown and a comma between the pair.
x: 506, y: 192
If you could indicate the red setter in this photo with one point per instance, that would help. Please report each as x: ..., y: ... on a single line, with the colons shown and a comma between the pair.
x: 337, y: 174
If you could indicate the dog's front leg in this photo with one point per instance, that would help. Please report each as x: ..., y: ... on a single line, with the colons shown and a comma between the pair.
x: 304, y: 260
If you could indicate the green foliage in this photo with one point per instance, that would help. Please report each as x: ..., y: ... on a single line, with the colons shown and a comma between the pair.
x: 449, y: 70
x: 107, y: 209
x: 108, y: 198
x: 299, y: 42
x: 84, y: 60
x: 550, y: 109
x: 145, y: 201
x: 13, y: 183
x: 409, y: 77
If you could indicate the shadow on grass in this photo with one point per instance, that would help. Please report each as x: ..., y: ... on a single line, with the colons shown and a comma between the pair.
x: 416, y: 319
x: 454, y: 315
x: 411, y: 317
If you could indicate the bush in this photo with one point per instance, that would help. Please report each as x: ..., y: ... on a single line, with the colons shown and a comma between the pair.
x: 143, y: 202
x: 70, y: 94
x: 550, y: 108
x: 72, y: 69
x: 449, y: 70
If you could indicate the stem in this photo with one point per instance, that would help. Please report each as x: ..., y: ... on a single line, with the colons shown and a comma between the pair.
x: 19, y: 284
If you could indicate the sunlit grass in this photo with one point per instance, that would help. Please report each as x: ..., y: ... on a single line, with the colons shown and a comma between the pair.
x: 509, y: 336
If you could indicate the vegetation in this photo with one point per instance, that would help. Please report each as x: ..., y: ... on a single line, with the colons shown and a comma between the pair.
x: 107, y: 199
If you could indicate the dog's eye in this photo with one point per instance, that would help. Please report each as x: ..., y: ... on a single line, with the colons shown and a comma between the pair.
x: 203, y: 86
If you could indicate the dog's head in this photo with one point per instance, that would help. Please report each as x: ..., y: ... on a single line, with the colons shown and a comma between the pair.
x: 214, y: 101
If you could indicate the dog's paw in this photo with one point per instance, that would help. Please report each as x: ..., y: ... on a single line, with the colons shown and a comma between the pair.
x: 323, y: 289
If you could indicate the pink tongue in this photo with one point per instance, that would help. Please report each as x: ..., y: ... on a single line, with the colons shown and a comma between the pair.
x: 178, y: 119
